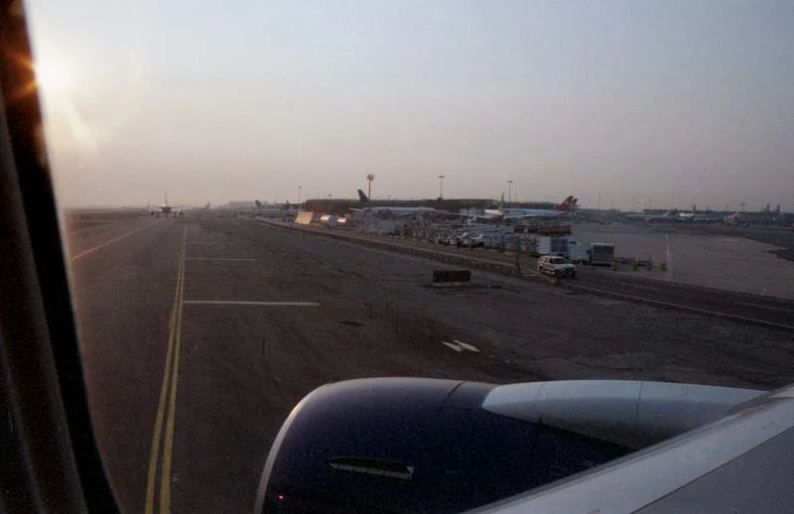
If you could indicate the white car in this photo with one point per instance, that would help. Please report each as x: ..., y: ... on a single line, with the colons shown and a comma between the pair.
x: 556, y: 266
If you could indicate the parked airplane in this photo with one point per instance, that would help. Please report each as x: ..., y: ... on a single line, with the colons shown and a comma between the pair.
x: 565, y: 208
x: 671, y: 215
x: 275, y: 209
x: 699, y: 217
x: 388, y: 209
x: 734, y: 219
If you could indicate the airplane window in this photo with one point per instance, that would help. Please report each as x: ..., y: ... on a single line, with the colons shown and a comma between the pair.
x: 261, y: 198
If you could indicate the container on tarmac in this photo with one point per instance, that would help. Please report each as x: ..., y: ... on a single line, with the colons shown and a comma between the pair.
x: 602, y: 253
x: 547, y: 245
x: 578, y: 252
x: 591, y: 253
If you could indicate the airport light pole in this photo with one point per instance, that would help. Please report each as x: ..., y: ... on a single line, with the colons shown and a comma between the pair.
x: 441, y: 185
x: 509, y: 191
x: 370, y: 178
x: 299, y: 195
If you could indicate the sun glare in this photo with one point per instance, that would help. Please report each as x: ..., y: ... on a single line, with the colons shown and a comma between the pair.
x: 53, y: 77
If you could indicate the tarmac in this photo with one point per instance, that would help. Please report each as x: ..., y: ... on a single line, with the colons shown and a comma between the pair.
x: 723, y: 260
x: 199, y: 335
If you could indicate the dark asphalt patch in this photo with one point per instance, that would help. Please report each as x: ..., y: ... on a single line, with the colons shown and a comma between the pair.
x: 351, y: 323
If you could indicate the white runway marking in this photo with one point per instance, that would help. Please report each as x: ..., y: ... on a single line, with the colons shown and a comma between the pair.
x: 466, y: 346
x: 219, y: 259
x: 261, y: 304
x: 452, y: 346
x: 106, y: 243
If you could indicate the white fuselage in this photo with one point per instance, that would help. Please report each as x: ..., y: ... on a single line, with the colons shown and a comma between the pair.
x: 525, y: 213
x: 396, y: 211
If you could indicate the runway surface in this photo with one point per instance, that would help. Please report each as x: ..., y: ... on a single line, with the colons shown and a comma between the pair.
x: 200, y: 335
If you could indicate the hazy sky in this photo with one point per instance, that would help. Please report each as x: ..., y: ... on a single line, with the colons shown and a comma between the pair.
x: 660, y: 102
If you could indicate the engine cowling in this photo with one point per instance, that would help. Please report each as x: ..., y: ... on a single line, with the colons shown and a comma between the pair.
x: 413, y: 445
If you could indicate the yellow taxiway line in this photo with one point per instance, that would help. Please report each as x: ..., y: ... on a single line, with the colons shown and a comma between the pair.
x: 168, y: 391
x: 164, y: 424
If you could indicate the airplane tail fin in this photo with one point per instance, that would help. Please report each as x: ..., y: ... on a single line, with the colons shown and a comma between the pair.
x: 362, y: 198
x: 568, y: 204
x: 258, y: 204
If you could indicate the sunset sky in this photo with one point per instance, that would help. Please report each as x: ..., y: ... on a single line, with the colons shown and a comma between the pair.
x: 649, y: 103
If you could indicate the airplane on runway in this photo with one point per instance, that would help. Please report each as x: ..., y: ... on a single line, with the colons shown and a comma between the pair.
x: 165, y: 209
x: 387, y: 210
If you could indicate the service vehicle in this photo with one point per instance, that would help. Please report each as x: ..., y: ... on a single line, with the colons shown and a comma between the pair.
x: 556, y: 266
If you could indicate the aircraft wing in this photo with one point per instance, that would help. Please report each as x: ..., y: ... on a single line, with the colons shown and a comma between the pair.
x: 733, y: 464
x: 575, y: 447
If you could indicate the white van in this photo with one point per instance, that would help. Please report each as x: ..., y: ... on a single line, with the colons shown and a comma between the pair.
x: 556, y: 266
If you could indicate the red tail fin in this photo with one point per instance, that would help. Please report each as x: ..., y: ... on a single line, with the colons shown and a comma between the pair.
x: 568, y: 204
